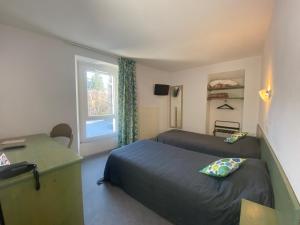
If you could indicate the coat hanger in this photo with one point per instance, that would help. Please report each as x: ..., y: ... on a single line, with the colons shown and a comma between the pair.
x: 225, y: 106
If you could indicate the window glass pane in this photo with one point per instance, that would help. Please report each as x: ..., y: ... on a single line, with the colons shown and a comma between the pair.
x: 95, y: 128
x: 99, y: 93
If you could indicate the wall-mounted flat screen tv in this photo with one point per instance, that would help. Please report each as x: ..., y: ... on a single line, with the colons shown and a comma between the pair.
x: 161, y: 89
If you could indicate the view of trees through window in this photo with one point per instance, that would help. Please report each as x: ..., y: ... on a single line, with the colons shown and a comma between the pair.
x: 99, y: 94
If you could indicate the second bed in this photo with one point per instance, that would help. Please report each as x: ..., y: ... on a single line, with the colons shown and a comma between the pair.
x: 247, y: 147
x: 166, y: 179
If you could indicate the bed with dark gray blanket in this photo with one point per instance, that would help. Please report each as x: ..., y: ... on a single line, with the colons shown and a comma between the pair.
x: 166, y: 179
x: 247, y: 147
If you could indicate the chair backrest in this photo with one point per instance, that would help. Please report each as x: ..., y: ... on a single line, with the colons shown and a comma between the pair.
x: 62, y: 130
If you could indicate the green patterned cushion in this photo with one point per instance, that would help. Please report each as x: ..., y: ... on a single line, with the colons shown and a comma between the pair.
x: 222, y: 167
x: 235, y: 137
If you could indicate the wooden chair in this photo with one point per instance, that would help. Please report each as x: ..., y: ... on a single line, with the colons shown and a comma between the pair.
x: 62, y: 130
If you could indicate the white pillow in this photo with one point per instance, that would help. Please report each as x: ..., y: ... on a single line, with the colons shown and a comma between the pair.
x: 223, y: 82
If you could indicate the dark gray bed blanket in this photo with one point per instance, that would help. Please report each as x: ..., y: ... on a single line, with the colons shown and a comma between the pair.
x: 247, y: 147
x: 165, y: 179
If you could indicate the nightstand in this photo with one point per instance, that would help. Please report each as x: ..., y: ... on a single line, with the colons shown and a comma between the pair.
x: 256, y: 214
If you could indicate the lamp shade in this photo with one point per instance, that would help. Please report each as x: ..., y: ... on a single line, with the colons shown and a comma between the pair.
x: 265, y: 94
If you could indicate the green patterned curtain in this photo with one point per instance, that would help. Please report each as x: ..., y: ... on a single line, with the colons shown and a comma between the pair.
x: 127, y: 107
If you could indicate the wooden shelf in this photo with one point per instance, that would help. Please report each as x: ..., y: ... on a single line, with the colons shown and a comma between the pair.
x: 237, y: 98
x: 225, y: 88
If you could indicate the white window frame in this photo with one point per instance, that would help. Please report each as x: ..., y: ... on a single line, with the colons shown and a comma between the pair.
x: 84, y: 65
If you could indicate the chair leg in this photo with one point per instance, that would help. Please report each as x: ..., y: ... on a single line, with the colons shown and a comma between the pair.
x: 100, y: 181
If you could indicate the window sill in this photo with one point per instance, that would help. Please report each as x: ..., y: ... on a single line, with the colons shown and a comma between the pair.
x: 100, y: 138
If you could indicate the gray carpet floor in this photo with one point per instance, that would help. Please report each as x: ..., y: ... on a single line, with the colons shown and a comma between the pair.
x: 109, y: 205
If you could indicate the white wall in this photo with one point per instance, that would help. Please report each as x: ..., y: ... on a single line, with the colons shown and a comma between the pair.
x: 153, y: 109
x: 279, y: 117
x: 37, y: 84
x: 195, y: 81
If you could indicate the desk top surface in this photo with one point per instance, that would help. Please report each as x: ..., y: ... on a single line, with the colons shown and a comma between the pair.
x: 41, y: 150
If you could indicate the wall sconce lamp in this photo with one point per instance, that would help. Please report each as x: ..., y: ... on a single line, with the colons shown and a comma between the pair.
x: 265, y: 94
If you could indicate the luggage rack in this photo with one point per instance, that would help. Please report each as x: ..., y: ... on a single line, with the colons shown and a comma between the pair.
x: 221, y: 127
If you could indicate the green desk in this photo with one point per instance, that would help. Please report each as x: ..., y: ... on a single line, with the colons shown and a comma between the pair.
x: 59, y: 201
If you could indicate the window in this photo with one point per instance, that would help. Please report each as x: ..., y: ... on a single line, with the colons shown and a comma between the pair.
x: 97, y: 98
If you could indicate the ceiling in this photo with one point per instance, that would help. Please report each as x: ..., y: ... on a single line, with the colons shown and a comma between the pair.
x: 167, y: 34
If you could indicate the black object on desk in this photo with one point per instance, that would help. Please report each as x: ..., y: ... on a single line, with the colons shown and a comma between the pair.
x: 3, y: 148
x: 20, y: 168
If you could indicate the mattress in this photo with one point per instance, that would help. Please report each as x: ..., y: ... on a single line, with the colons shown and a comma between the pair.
x: 166, y: 179
x: 247, y: 147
